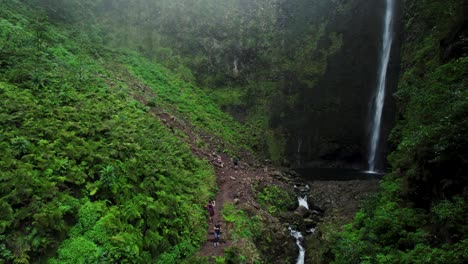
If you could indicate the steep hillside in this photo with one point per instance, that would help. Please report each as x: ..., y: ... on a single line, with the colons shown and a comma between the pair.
x: 112, y: 143
x: 291, y: 70
x: 88, y: 174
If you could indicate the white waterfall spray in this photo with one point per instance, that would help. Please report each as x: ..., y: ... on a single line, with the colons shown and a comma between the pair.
x: 235, y: 71
x: 299, y: 239
x: 379, y: 98
x: 297, y: 235
x: 303, y: 202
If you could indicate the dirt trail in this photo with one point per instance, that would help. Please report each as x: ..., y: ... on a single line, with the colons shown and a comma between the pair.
x: 234, y: 182
x: 224, y: 195
x: 235, y: 185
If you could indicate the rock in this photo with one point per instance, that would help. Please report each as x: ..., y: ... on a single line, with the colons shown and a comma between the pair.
x: 315, y: 209
x: 236, y: 201
x: 285, y: 179
x: 291, y: 173
x: 276, y: 174
x: 309, y: 222
x: 302, y: 211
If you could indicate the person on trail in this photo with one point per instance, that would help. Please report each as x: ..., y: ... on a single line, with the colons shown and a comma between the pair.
x: 211, y: 211
x: 217, y: 234
x: 219, y: 161
x: 235, y: 162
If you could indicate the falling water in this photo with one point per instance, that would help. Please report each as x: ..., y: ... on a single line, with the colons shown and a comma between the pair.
x: 297, y: 235
x: 379, y: 99
x: 234, y: 69
x: 303, y: 202
x: 298, y: 157
x: 299, y: 238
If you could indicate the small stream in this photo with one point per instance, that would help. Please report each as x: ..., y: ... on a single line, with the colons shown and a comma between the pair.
x: 297, y: 235
x: 303, y: 202
x: 299, y: 238
x: 313, y: 175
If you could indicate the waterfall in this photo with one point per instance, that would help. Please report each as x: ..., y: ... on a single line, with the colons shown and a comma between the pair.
x: 303, y: 202
x: 299, y: 145
x: 235, y: 70
x: 379, y: 98
x: 299, y: 238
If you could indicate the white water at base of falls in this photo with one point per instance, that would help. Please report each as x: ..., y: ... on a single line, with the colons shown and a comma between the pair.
x: 379, y: 98
x: 303, y: 202
x: 299, y: 239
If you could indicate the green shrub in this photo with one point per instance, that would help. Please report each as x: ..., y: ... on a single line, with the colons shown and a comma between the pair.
x: 275, y: 199
x: 86, y: 171
x: 243, y: 225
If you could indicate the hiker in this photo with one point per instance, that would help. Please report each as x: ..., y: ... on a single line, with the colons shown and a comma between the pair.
x: 211, y: 211
x: 217, y: 234
x: 235, y: 162
x: 219, y: 161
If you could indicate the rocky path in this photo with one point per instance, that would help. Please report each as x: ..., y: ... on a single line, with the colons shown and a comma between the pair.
x: 234, y: 182
x: 235, y: 186
x: 223, y: 196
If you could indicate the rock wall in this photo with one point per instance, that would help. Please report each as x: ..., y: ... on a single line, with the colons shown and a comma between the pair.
x: 336, y: 127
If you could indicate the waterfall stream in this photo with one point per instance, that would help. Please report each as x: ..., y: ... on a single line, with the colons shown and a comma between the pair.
x: 297, y: 235
x: 299, y: 238
x: 234, y: 69
x: 380, y: 96
x: 303, y: 202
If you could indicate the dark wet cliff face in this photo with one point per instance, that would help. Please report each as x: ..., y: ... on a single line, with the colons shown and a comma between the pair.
x: 335, y: 129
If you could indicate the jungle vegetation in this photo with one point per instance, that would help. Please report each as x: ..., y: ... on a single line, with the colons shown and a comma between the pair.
x: 420, y: 215
x: 88, y: 175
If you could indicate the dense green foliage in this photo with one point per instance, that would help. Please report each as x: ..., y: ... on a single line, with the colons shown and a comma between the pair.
x: 276, y: 200
x: 88, y: 175
x: 244, y: 229
x: 387, y: 231
x: 243, y: 226
x: 420, y: 216
x: 260, y: 60
x: 189, y: 102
